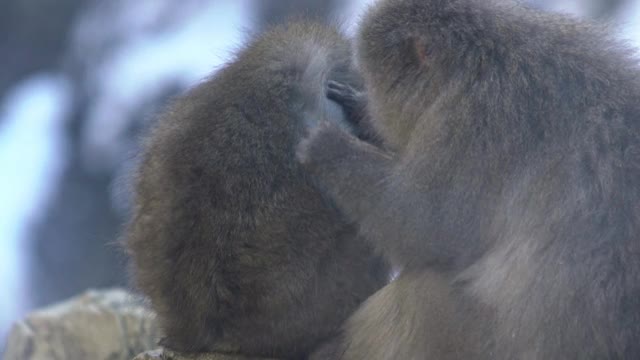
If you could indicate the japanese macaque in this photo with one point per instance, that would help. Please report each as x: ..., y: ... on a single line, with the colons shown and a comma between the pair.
x: 508, y: 190
x: 231, y: 241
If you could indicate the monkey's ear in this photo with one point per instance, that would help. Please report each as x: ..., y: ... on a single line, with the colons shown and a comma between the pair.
x: 419, y: 49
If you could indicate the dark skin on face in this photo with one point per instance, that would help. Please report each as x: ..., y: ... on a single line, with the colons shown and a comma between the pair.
x: 506, y: 189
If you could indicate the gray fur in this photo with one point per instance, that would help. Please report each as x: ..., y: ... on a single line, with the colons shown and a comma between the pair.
x: 236, y: 249
x: 512, y: 175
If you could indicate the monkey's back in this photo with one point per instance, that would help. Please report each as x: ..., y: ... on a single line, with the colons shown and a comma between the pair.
x: 234, y: 246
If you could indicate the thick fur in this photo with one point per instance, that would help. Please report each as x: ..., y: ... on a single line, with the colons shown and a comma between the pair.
x: 234, y: 246
x: 511, y: 192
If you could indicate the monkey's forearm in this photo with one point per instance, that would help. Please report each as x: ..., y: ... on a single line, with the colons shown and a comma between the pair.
x: 360, y: 178
x: 350, y: 170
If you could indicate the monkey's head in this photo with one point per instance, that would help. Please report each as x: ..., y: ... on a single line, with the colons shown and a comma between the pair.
x: 407, y: 52
x: 415, y: 54
x: 492, y: 55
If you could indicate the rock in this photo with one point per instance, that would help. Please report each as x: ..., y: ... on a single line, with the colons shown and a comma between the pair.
x: 96, y: 325
x: 163, y: 354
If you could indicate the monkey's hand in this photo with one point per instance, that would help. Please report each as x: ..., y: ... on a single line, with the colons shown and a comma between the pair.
x: 352, y: 101
x: 354, y: 105
x: 348, y: 169
x: 323, y: 145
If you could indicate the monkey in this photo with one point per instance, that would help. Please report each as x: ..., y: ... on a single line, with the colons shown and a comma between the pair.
x: 507, y: 191
x: 235, y: 247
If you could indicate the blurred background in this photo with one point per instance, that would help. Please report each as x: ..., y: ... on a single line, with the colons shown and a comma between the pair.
x: 80, y: 80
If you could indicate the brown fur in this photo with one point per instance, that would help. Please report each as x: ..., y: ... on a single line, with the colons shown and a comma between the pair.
x: 236, y: 249
x: 510, y: 191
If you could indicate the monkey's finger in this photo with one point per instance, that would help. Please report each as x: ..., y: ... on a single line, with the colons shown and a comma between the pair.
x: 339, y: 90
x: 344, y: 96
x: 337, y: 85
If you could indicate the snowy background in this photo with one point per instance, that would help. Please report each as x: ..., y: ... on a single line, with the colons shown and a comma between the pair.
x: 80, y: 80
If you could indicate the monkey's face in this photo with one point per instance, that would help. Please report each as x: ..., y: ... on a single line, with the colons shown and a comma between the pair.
x: 408, y: 51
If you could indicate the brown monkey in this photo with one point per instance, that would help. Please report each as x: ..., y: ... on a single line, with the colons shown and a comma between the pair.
x: 510, y: 194
x: 234, y: 246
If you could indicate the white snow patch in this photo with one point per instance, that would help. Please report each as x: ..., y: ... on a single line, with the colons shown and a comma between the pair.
x: 137, y: 72
x: 31, y: 142
x: 354, y: 12
x: 630, y: 18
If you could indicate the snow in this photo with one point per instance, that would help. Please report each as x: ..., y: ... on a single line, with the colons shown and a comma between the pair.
x: 31, y: 118
x: 137, y: 71
x: 630, y: 23
x: 31, y: 147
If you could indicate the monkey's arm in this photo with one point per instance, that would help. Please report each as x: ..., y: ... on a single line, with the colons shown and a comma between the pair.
x: 350, y: 170
x: 417, y: 316
x: 362, y: 180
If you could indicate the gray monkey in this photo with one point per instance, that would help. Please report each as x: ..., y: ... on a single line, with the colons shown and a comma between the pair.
x: 508, y: 189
